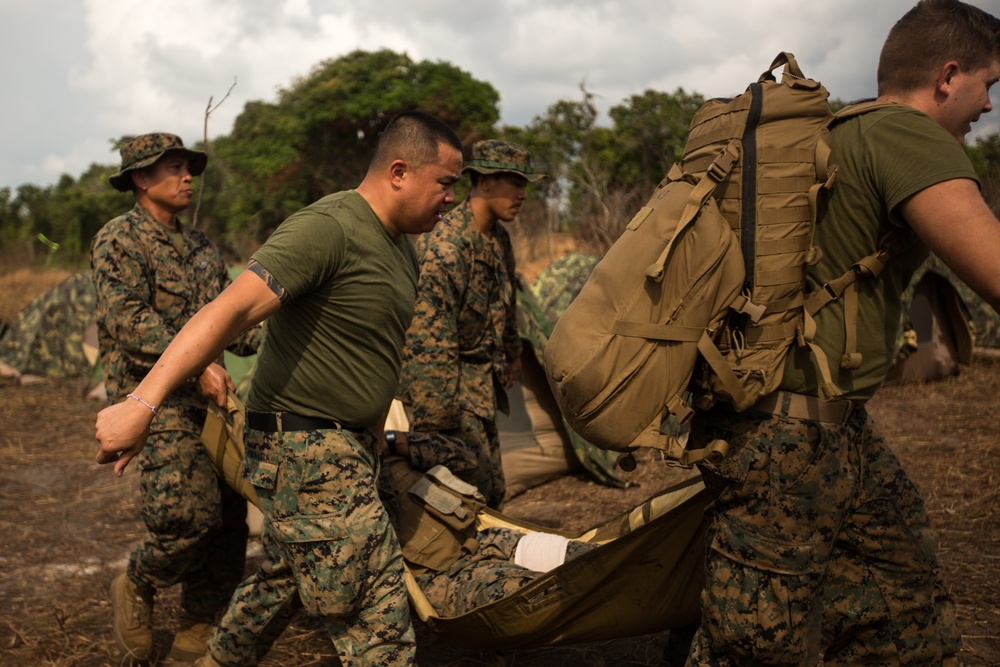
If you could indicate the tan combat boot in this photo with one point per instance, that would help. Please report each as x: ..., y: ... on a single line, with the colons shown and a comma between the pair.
x: 133, y: 619
x: 191, y: 641
x: 207, y: 661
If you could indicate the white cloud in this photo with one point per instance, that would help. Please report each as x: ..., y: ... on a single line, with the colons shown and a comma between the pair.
x: 90, y: 70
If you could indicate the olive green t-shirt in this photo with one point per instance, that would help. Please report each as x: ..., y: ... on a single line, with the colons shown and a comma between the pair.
x: 334, y: 348
x: 883, y: 157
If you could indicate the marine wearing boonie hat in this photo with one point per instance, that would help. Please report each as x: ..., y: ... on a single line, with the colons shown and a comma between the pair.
x: 493, y: 156
x: 144, y: 150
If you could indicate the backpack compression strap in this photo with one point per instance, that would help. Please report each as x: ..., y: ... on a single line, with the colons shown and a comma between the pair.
x: 846, y: 286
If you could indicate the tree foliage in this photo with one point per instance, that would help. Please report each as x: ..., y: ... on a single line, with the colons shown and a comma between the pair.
x: 319, y: 132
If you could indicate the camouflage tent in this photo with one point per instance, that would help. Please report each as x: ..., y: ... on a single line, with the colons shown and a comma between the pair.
x: 559, y: 283
x: 943, y: 321
x: 55, y: 335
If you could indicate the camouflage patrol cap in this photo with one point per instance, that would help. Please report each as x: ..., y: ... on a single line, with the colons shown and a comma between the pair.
x: 144, y: 150
x: 493, y: 156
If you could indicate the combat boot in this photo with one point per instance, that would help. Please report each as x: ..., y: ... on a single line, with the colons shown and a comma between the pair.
x: 133, y: 618
x: 191, y: 641
x: 207, y: 661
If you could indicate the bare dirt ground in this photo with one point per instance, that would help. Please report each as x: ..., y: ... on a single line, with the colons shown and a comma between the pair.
x: 67, y: 525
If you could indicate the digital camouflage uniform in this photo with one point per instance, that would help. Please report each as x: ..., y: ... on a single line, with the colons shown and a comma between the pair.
x: 146, y: 291
x: 311, y: 485
x: 329, y: 548
x: 457, y: 566
x: 781, y: 546
x: 819, y: 545
x: 464, y: 337
x: 462, y: 341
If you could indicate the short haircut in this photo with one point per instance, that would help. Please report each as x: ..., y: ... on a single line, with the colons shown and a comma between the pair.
x: 413, y: 136
x: 931, y: 34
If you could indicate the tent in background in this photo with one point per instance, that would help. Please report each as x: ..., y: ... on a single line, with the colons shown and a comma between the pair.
x: 55, y: 335
x: 943, y: 322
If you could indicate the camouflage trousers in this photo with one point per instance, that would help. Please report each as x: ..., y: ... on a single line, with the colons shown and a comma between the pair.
x: 482, y: 440
x: 488, y: 575
x: 196, y: 531
x: 328, y: 549
x: 479, y: 578
x: 819, y: 546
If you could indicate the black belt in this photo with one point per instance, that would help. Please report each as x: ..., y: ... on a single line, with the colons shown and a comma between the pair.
x: 274, y: 422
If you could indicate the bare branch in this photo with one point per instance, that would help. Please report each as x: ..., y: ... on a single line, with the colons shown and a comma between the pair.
x: 209, y: 109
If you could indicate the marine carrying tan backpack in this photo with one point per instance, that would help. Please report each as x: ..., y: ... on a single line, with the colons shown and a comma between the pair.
x: 703, y: 295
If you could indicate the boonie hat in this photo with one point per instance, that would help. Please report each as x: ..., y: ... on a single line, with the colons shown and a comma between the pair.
x: 493, y: 156
x: 144, y: 150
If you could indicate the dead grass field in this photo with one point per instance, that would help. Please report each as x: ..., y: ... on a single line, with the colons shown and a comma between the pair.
x: 67, y: 526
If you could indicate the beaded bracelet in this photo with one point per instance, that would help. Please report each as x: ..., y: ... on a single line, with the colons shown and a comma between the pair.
x: 152, y: 408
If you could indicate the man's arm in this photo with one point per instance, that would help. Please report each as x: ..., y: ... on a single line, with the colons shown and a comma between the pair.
x: 122, y: 429
x: 954, y: 221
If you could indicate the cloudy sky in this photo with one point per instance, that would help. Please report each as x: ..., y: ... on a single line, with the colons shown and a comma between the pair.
x: 78, y: 73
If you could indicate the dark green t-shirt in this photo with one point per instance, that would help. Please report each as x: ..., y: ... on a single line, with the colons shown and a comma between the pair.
x: 334, y: 348
x: 883, y: 157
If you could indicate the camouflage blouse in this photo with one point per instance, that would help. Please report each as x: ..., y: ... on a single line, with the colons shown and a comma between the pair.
x: 464, y: 332
x: 146, y: 291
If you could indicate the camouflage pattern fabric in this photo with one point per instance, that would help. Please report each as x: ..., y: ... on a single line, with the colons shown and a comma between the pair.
x: 481, y: 568
x: 477, y: 579
x: 144, y: 150
x: 47, y: 337
x: 561, y: 281
x: 818, y: 539
x: 463, y: 337
x: 985, y: 320
x: 196, y: 524
x: 430, y: 449
x: 329, y: 549
x: 493, y: 156
x: 146, y: 291
x: 488, y: 575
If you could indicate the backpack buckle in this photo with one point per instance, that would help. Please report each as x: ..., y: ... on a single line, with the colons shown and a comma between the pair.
x: 724, y: 162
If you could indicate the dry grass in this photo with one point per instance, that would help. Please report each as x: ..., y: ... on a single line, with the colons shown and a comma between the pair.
x: 19, y: 286
x: 68, y: 525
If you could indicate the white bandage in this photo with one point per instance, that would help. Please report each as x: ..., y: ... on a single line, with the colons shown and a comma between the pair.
x: 541, y: 552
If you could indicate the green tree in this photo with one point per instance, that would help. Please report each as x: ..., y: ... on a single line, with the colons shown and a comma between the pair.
x: 650, y: 130
x: 319, y: 135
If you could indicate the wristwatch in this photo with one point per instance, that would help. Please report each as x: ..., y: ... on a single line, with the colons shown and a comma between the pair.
x: 390, y: 441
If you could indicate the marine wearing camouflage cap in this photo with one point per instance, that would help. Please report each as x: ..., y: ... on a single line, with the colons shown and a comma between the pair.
x: 493, y: 156
x: 144, y: 150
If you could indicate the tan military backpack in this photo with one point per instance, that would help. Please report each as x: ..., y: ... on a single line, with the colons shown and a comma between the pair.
x: 703, y: 295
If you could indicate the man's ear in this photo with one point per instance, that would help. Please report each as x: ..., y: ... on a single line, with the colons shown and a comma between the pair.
x: 397, y: 171
x: 945, y: 75
x: 140, y: 179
